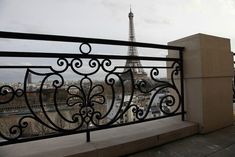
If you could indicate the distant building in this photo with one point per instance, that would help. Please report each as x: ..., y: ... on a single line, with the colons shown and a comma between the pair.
x: 29, y: 79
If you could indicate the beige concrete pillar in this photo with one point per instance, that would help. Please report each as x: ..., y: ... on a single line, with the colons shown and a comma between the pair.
x: 208, y: 73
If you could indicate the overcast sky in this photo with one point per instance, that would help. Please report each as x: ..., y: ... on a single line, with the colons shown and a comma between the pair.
x: 156, y: 21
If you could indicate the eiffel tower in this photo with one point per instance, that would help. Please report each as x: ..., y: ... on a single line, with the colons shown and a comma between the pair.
x: 135, y: 65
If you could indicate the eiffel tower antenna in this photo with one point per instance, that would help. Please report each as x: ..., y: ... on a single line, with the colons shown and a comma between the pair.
x: 138, y: 70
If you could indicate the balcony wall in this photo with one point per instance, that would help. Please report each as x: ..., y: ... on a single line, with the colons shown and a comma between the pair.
x: 208, y: 73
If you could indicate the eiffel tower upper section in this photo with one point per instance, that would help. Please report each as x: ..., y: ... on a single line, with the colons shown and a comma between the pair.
x: 138, y: 71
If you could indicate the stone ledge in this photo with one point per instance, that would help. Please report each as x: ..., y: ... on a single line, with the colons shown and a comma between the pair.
x: 106, y: 143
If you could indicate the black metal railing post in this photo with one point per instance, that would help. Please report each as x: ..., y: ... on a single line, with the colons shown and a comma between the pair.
x: 88, y: 136
x: 182, y: 83
x: 233, y: 85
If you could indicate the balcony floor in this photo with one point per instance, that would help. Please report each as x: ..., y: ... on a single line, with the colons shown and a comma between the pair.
x: 106, y: 143
x: 217, y: 144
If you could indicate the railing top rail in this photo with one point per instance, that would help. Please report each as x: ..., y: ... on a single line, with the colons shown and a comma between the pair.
x: 61, y: 38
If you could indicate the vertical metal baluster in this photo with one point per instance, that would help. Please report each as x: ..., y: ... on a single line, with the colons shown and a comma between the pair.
x: 182, y: 84
x: 88, y: 136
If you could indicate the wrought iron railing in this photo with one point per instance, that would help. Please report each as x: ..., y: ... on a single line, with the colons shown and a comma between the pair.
x: 83, y: 92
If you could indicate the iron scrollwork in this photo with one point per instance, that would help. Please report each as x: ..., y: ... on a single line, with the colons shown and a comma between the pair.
x: 90, y: 104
